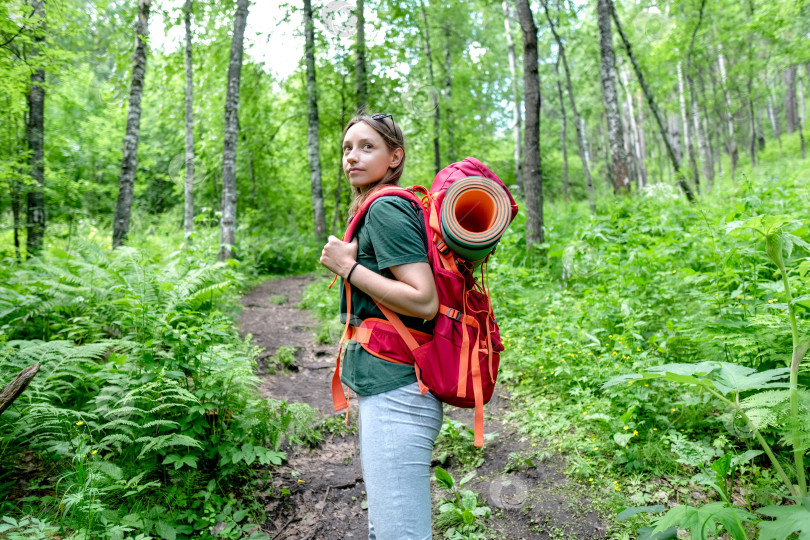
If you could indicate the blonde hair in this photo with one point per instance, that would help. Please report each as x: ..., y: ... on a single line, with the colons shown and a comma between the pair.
x: 393, y: 138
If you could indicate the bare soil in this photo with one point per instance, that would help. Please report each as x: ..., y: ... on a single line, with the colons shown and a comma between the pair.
x: 325, y: 484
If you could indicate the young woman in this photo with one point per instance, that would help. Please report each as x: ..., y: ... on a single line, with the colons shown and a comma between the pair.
x: 387, y: 261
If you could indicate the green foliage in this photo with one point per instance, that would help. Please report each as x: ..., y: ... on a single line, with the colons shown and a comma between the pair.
x: 789, y: 519
x: 461, y: 516
x: 456, y: 442
x: 145, y: 398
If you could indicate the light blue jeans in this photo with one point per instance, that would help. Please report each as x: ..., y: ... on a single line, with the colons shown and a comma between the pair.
x: 397, y: 432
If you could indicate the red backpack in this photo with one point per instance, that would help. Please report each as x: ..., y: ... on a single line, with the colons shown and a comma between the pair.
x: 458, y: 363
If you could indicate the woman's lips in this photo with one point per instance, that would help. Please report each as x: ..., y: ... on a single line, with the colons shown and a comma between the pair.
x: 355, y: 170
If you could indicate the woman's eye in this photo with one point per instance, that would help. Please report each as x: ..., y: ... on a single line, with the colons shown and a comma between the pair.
x: 367, y: 145
x: 347, y: 149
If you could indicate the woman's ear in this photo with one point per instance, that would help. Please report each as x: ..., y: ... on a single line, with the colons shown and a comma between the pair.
x: 396, y: 157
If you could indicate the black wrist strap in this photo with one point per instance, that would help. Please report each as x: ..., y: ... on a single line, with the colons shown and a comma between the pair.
x: 349, y: 275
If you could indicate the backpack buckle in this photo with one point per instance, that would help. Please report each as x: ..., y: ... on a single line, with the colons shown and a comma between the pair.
x: 442, y: 247
x: 453, y: 314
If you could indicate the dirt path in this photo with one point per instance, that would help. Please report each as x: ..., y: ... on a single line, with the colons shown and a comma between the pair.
x: 325, y: 484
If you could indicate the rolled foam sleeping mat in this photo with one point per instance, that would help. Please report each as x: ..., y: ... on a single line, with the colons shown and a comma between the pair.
x: 475, y: 213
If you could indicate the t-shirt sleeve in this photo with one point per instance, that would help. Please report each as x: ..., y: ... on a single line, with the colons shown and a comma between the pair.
x: 397, y: 232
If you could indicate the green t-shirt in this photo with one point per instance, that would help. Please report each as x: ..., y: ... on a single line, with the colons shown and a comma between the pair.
x: 392, y: 233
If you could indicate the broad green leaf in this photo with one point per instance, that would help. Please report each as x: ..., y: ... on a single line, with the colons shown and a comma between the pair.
x: 633, y: 510
x: 705, y: 520
x: 166, y: 530
x: 622, y: 438
x: 467, y: 478
x: 239, y: 515
x: 789, y: 520
x: 444, y: 478
x: 646, y: 533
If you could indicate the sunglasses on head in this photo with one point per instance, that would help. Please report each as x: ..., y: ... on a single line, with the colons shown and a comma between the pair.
x: 381, y: 116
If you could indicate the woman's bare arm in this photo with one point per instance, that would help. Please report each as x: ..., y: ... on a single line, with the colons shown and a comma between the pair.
x: 413, y: 293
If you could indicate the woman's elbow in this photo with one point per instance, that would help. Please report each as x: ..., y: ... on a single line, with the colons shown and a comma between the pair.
x: 430, y: 308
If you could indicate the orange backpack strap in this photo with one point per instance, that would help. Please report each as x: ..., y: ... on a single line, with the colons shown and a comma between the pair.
x: 406, y: 336
x: 339, y: 400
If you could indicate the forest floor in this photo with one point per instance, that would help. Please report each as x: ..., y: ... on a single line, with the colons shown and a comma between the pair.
x: 325, y: 484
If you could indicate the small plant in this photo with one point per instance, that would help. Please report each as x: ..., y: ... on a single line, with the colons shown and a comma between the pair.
x: 456, y: 441
x: 461, y: 515
x: 283, y: 360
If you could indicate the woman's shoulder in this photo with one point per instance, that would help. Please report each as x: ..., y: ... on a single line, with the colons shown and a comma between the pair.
x: 392, y: 206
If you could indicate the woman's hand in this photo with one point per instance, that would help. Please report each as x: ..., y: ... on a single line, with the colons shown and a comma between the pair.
x: 339, y: 256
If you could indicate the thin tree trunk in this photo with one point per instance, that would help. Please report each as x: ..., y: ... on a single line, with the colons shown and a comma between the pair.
x: 701, y: 142
x: 773, y: 120
x: 687, y: 135
x: 606, y: 152
x: 360, y: 59
x: 752, y: 147
x: 313, y: 147
x: 800, y: 92
x: 188, y: 221
x: 227, y: 229
x: 620, y: 171
x: 562, y: 131
x: 634, y: 131
x: 579, y: 123
x: 336, y: 214
x: 533, y: 180
x: 642, y: 140
x: 129, y: 163
x: 448, y: 87
x: 718, y: 133
x: 732, y: 141
x: 516, y: 116
x: 35, y: 138
x: 16, y: 203
x: 791, y: 113
x: 707, y: 133
x: 436, y: 117
x: 676, y: 164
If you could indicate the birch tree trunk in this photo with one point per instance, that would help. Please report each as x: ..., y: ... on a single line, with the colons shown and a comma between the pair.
x: 706, y: 122
x: 533, y: 180
x: 606, y: 152
x: 752, y: 145
x: 129, y: 163
x: 360, y: 77
x: 642, y: 139
x: 732, y: 141
x: 676, y: 163
x: 448, y: 88
x: 579, y: 123
x: 800, y: 115
x: 436, y: 117
x: 718, y: 132
x: 227, y: 228
x: 516, y: 116
x: 791, y: 113
x: 188, y: 221
x: 705, y: 152
x: 634, y: 131
x: 35, y: 137
x: 562, y: 131
x: 773, y: 120
x: 313, y: 146
x: 620, y: 172
x: 336, y: 214
x: 687, y: 135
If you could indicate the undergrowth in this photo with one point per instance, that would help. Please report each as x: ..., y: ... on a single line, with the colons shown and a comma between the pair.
x: 143, y: 420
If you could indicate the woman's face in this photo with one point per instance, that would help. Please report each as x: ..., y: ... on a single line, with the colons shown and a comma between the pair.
x: 366, y: 158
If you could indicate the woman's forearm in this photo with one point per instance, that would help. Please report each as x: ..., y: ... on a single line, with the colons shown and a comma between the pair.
x: 413, y: 293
